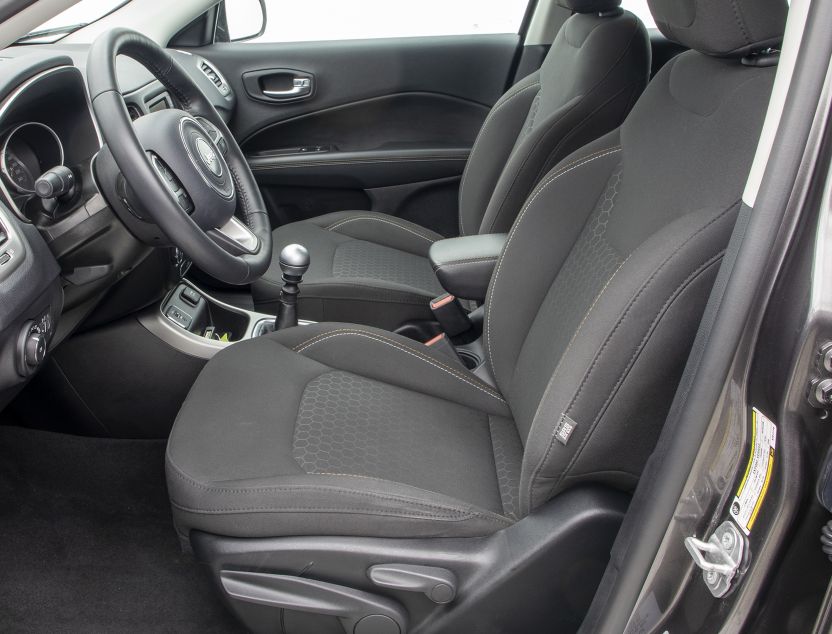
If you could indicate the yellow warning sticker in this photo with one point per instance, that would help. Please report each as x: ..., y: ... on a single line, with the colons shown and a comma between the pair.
x: 754, y: 486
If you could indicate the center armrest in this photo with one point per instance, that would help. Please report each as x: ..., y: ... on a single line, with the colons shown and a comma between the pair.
x: 464, y: 265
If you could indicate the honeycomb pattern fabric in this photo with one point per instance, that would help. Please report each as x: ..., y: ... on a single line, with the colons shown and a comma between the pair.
x: 591, y: 262
x: 588, y: 267
x: 508, y: 457
x: 586, y: 270
x: 361, y: 259
x: 348, y: 424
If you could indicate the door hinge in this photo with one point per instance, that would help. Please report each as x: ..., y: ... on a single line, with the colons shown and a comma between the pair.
x: 719, y: 558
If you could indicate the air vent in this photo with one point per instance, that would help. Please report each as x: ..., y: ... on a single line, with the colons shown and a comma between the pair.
x: 134, y: 112
x: 216, y: 78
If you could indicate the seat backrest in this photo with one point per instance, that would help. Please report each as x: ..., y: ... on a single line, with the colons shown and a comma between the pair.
x: 598, y: 65
x: 597, y: 296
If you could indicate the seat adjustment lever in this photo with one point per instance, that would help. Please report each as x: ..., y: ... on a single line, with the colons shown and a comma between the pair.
x: 359, y: 612
x: 438, y: 584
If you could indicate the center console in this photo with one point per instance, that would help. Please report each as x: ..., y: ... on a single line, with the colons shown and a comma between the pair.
x: 198, y: 324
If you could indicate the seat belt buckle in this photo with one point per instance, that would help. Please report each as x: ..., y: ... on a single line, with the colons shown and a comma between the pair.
x: 450, y: 314
x: 442, y: 344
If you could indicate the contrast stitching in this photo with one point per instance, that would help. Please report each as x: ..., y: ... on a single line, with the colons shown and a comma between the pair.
x: 431, y: 510
x: 578, y: 125
x: 545, y: 457
x: 341, y: 223
x: 650, y: 330
x: 243, y: 194
x: 389, y: 342
x: 740, y: 22
x: 337, y: 509
x: 635, y: 298
x: 306, y: 487
x: 550, y: 130
x: 363, y: 477
x: 503, y: 101
x: 492, y: 258
x: 564, y: 170
x: 578, y: 128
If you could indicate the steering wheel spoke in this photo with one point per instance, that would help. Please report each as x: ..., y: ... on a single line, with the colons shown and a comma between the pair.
x: 172, y: 184
x: 235, y: 237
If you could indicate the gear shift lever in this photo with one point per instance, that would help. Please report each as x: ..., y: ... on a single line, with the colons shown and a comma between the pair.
x: 294, y: 261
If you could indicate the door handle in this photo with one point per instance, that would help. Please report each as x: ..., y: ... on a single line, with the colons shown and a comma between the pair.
x: 300, y: 86
x: 279, y: 84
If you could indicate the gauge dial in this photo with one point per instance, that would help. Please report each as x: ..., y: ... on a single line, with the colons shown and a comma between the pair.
x: 28, y: 151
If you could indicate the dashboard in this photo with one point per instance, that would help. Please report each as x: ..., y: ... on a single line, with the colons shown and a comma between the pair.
x: 61, y: 253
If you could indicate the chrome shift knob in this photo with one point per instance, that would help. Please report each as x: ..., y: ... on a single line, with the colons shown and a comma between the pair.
x: 294, y: 261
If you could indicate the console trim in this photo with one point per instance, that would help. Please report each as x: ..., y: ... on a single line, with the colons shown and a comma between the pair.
x: 160, y: 325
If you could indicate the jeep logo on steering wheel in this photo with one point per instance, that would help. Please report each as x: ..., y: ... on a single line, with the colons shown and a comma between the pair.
x: 208, y: 156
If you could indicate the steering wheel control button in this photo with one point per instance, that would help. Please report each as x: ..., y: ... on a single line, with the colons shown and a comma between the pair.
x: 190, y: 295
x: 179, y: 317
x: 214, y: 134
x: 185, y: 202
x: 5, y: 258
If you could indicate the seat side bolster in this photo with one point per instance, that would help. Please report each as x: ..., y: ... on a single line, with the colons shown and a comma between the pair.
x: 339, y: 503
x: 540, y: 239
x: 379, y: 228
x: 606, y: 77
x: 651, y: 305
x: 393, y: 359
x: 491, y: 150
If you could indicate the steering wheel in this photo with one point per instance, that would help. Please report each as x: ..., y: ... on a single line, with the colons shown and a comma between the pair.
x: 181, y: 170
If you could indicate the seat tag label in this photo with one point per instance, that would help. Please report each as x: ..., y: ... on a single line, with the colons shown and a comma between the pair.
x: 564, y: 429
x: 754, y: 485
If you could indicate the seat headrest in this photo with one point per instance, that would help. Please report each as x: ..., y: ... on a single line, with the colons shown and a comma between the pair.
x: 589, y: 6
x: 723, y: 28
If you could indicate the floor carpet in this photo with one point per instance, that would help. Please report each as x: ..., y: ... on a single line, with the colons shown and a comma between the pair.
x: 87, y: 543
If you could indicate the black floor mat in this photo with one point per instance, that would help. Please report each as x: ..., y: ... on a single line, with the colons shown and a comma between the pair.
x: 87, y: 543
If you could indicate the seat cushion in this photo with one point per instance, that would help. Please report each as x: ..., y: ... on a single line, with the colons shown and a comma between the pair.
x: 336, y: 429
x: 367, y: 268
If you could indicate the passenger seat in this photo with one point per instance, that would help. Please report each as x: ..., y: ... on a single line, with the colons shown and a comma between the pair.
x: 372, y: 268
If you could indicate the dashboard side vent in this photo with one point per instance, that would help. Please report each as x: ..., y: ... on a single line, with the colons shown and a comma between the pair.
x: 216, y: 78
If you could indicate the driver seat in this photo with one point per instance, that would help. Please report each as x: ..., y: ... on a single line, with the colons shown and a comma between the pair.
x: 342, y: 430
x: 372, y: 268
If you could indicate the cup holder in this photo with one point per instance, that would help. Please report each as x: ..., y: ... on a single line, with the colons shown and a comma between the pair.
x: 471, y: 361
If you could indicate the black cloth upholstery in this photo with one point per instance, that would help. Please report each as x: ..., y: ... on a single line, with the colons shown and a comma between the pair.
x: 346, y: 429
x: 725, y: 28
x: 589, y: 318
x: 366, y: 268
x: 594, y: 72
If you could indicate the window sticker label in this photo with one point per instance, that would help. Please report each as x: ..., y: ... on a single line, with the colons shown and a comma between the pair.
x: 754, y: 486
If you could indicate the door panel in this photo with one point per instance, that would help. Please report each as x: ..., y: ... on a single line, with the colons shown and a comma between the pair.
x: 382, y: 124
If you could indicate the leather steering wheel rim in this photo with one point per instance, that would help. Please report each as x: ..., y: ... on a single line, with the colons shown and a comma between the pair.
x: 134, y: 162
